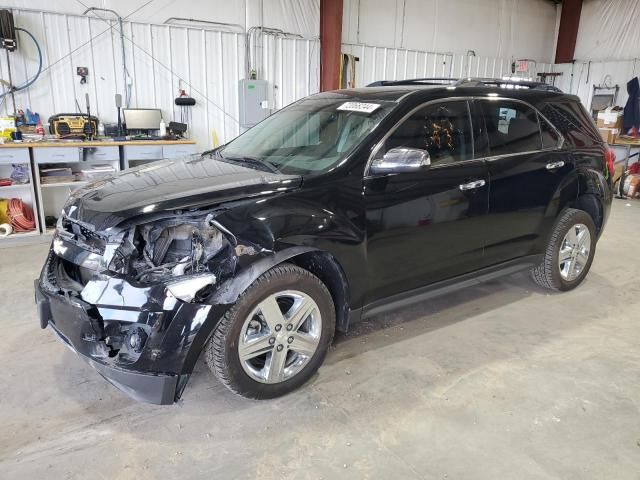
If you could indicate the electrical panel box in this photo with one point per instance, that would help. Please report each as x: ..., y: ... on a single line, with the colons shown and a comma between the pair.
x: 252, y: 99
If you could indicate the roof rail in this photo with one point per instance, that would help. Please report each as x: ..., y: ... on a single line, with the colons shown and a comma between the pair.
x: 415, y: 81
x: 512, y: 82
x: 505, y: 83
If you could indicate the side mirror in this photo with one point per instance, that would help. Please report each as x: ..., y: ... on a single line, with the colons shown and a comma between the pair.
x: 399, y: 160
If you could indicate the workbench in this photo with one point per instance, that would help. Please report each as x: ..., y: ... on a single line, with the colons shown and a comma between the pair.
x: 628, y: 144
x: 47, y: 199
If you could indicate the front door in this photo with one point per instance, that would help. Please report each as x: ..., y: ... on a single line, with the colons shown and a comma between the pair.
x: 427, y: 225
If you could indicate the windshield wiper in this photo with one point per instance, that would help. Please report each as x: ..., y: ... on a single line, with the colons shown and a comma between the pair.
x: 256, y: 162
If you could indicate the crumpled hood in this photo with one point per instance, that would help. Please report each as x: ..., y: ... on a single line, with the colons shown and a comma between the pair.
x: 168, y: 185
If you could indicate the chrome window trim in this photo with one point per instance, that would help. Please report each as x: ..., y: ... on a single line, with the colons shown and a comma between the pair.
x: 560, y: 136
x: 381, y: 142
x: 493, y: 158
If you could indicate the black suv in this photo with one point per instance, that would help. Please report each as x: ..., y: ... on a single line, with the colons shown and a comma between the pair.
x: 343, y: 205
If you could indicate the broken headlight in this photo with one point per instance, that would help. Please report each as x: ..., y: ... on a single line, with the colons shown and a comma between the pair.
x: 184, y: 252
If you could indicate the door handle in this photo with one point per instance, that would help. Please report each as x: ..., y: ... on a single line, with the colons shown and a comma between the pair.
x: 472, y: 185
x: 554, y: 165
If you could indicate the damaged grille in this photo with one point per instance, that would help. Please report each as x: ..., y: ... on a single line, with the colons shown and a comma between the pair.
x: 82, y: 236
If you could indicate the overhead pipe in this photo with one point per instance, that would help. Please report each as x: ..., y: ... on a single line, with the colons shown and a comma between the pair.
x: 250, y: 61
x: 124, y: 59
x: 169, y: 21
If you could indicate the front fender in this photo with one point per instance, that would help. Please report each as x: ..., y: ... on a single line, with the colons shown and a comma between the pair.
x: 225, y: 296
x: 230, y: 290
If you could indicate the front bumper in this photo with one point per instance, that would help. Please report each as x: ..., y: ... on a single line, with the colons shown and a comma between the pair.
x: 98, y: 330
x: 72, y: 324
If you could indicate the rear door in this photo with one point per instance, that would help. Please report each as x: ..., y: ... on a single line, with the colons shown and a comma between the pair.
x: 428, y: 225
x: 526, y: 166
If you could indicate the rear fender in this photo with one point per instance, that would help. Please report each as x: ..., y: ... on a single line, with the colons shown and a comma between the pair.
x: 594, y: 196
x: 565, y: 195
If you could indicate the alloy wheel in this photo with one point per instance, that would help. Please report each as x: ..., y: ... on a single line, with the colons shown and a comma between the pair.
x: 574, y: 252
x: 280, y: 336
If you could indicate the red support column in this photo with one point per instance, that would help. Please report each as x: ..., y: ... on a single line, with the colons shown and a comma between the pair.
x: 330, y: 43
x: 568, y: 31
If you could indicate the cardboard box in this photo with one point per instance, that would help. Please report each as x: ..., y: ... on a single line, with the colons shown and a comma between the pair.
x: 609, y: 135
x: 611, y: 117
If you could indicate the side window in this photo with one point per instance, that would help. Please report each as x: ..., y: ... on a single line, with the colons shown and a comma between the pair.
x: 443, y: 129
x: 550, y: 138
x: 512, y: 127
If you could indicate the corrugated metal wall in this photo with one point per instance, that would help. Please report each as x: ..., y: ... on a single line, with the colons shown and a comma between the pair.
x: 380, y: 63
x: 579, y: 77
x: 160, y: 59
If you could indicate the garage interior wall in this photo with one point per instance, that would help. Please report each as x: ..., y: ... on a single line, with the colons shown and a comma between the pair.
x: 492, y: 28
x: 394, y: 39
x: 161, y: 59
x: 607, y: 49
x: 400, y: 39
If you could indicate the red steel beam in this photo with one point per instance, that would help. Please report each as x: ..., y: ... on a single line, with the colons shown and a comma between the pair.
x: 568, y: 31
x: 330, y: 43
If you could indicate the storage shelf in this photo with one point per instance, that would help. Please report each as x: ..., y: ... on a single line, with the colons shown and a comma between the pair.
x: 32, y: 233
x: 47, y: 199
x: 63, y: 184
x: 18, y: 186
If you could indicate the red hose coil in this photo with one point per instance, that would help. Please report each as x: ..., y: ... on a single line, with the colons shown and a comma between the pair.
x: 21, y: 216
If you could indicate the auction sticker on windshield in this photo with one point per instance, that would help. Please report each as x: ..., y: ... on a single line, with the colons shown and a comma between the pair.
x: 359, y: 107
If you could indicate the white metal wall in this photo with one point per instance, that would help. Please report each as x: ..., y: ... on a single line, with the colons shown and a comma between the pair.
x: 578, y: 78
x: 494, y: 28
x: 207, y: 64
x: 160, y: 60
x: 381, y: 63
x: 609, y: 30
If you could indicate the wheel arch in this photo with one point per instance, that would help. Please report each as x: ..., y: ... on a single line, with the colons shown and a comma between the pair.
x: 592, y: 195
x: 584, y: 190
x: 591, y: 204
x: 320, y: 263
x: 324, y: 266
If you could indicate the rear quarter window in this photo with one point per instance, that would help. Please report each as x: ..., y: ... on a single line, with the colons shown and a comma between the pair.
x: 573, y: 122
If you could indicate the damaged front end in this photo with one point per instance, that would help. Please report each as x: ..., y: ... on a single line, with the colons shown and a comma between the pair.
x: 133, y: 301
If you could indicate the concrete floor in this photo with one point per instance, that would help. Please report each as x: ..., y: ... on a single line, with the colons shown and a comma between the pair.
x: 498, y: 381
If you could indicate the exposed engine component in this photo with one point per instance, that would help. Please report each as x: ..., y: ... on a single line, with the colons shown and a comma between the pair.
x: 173, y: 248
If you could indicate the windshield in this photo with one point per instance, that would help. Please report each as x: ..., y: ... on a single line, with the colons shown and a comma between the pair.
x: 311, y: 136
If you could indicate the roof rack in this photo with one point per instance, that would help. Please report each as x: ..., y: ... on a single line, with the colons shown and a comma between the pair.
x: 415, y: 81
x: 514, y: 83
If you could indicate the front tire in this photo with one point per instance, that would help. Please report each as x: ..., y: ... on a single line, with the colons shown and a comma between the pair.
x: 569, y: 253
x: 276, y: 335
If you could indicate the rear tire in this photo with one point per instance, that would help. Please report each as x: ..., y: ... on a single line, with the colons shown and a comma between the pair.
x: 569, y: 253
x: 275, y: 336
